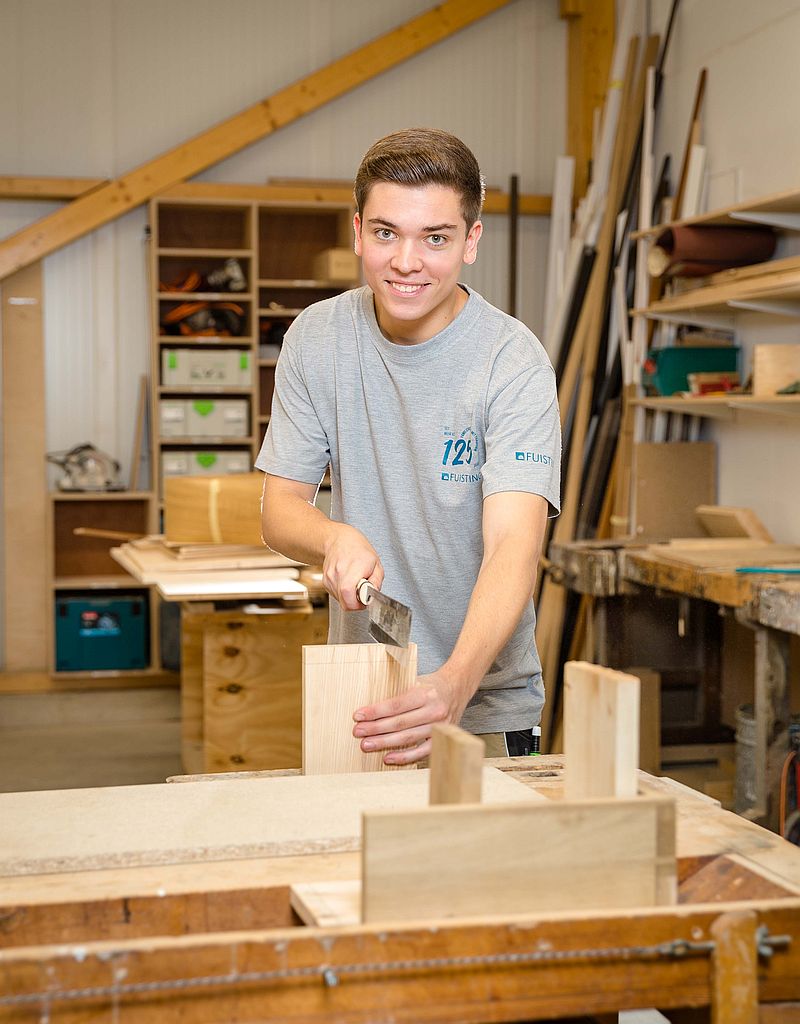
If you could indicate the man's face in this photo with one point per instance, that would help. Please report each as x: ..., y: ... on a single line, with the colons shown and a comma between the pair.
x: 412, y: 242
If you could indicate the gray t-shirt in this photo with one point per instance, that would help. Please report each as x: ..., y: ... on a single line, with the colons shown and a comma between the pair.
x: 416, y: 437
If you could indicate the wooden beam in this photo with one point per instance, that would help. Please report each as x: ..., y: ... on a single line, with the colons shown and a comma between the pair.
x: 590, y: 45
x: 256, y: 122
x: 21, y: 186
x: 496, y: 202
x: 24, y: 480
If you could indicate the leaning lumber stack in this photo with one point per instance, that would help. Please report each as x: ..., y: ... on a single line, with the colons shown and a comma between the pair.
x: 587, y: 336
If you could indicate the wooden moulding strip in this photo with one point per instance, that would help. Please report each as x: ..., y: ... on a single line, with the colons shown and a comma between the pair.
x: 111, y: 200
x: 466, y: 860
x: 369, y: 961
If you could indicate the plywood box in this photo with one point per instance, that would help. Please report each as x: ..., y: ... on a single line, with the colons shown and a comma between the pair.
x: 775, y: 367
x: 338, y: 264
x: 219, y: 509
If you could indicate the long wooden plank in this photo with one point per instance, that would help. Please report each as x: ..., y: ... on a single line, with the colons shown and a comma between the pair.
x: 337, y: 679
x: 25, y: 537
x: 87, y: 829
x: 463, y: 860
x: 194, y: 155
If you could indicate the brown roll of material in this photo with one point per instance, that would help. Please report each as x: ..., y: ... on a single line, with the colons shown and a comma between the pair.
x: 695, y: 251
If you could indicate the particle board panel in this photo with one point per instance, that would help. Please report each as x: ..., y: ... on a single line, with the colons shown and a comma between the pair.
x: 471, y: 860
x: 128, y: 826
x: 601, y: 732
x: 338, y: 679
x: 25, y: 542
x: 252, y: 706
x: 670, y: 480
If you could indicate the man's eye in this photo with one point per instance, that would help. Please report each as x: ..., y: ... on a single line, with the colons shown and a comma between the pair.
x: 437, y: 239
x: 385, y: 234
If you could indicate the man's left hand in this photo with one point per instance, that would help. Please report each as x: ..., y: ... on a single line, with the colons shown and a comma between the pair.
x: 402, y: 725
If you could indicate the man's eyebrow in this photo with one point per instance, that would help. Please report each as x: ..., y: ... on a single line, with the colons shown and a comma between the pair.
x: 426, y: 230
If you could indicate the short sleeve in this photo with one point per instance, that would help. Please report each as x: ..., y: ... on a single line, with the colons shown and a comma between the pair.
x: 523, y: 437
x: 295, y: 446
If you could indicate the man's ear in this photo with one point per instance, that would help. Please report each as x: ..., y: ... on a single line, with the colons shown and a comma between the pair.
x: 357, y: 234
x: 471, y: 244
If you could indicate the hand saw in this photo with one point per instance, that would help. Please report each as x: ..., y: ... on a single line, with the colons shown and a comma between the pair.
x: 389, y: 620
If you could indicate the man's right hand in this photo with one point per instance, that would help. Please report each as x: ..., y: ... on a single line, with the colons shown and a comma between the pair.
x: 349, y: 557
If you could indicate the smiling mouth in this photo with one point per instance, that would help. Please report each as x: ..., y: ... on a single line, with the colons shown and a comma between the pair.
x: 407, y: 289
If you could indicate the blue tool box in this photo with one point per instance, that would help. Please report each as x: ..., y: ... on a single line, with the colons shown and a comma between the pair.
x: 95, y: 633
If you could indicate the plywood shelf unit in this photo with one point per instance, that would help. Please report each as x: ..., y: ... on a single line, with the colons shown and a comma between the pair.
x: 780, y: 210
x: 80, y: 564
x: 275, y: 245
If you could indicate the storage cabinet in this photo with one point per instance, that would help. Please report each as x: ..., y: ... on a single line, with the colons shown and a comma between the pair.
x: 101, y: 623
x: 229, y: 277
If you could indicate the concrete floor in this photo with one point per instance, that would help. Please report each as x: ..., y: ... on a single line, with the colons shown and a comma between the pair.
x: 90, y: 738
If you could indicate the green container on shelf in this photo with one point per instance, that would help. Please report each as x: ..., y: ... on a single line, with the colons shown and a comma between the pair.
x: 666, y: 370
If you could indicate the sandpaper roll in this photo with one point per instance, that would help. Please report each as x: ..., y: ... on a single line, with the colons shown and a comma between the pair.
x: 699, y: 250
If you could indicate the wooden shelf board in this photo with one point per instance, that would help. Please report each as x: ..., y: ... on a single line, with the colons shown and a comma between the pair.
x: 204, y: 389
x: 173, y: 340
x: 115, y: 673
x: 268, y: 362
x: 210, y: 253
x: 782, y: 287
x: 778, y: 203
x: 101, y: 495
x: 723, y: 406
x: 278, y: 282
x: 206, y: 296
x: 204, y: 442
x: 263, y: 419
x: 110, y: 581
x: 279, y: 314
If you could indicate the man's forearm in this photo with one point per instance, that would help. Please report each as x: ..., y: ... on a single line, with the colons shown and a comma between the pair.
x: 502, y: 590
x: 294, y: 527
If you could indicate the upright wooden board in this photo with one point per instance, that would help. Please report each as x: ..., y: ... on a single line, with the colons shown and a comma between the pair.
x: 456, y: 766
x: 337, y: 679
x: 649, y: 719
x: 669, y: 481
x: 467, y: 860
x: 601, y: 732
x: 252, y: 707
x: 775, y: 367
x: 127, y: 826
x: 25, y: 539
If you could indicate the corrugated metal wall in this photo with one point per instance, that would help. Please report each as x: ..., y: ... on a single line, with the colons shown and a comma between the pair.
x: 97, y: 87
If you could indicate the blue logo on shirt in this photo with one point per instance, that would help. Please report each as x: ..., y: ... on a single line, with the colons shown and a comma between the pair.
x: 461, y: 452
x: 545, y: 460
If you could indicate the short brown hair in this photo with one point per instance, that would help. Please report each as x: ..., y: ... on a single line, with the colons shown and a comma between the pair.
x: 423, y: 156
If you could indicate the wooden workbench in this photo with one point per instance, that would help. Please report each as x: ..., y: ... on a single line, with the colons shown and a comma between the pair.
x: 218, y: 941
x: 766, y: 603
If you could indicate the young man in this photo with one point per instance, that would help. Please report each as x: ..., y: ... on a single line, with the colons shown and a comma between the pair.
x: 438, y: 415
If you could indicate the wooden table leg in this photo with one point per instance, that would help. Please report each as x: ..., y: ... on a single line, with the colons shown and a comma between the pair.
x: 771, y: 720
x: 734, y: 962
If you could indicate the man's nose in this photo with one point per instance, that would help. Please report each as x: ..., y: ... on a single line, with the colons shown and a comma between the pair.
x: 406, y: 258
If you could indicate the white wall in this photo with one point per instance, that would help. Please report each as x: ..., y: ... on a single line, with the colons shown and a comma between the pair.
x: 97, y: 87
x: 751, y: 128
